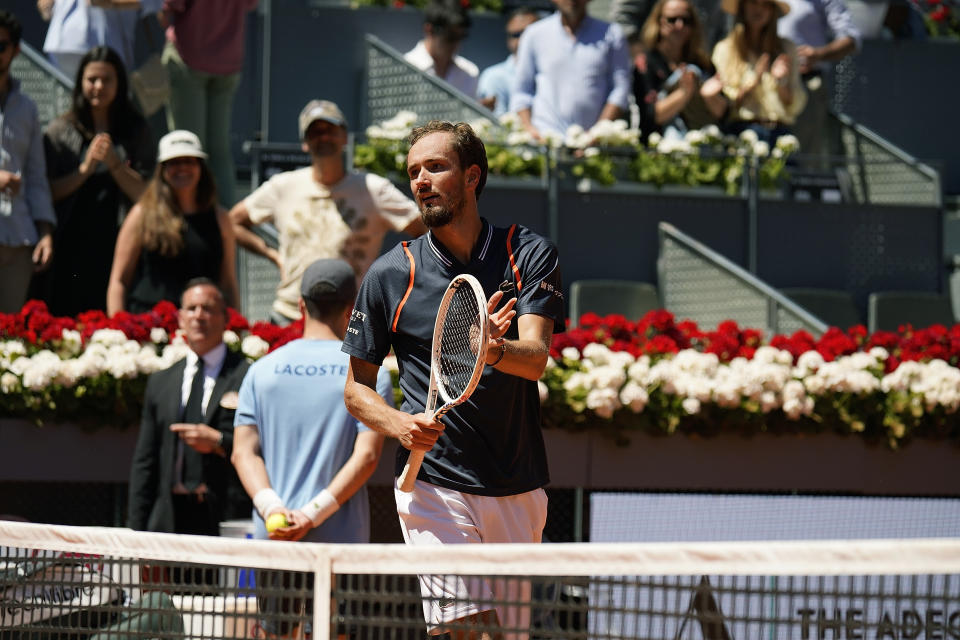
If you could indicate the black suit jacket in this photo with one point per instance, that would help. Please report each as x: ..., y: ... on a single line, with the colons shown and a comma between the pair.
x: 151, y: 475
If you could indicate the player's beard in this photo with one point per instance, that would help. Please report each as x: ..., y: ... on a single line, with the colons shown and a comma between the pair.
x: 439, y: 215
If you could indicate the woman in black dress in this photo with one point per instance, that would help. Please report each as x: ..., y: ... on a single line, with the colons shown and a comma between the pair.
x: 672, y: 77
x: 176, y: 232
x: 99, y: 156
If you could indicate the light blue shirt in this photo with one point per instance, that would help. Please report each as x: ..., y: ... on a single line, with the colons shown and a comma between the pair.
x: 567, y: 80
x: 818, y: 22
x: 77, y: 27
x: 21, y: 151
x: 495, y: 82
x: 294, y: 396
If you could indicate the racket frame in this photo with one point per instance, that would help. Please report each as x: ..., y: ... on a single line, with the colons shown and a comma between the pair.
x: 415, y: 459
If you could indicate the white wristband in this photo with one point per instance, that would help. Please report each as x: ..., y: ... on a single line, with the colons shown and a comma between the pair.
x: 320, y: 507
x: 267, y: 501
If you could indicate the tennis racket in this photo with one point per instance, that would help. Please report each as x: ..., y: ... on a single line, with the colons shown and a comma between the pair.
x: 459, y: 353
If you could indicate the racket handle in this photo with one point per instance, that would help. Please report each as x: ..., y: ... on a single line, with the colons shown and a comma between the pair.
x: 410, y: 471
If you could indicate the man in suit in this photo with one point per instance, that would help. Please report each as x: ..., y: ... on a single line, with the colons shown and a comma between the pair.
x: 181, y: 480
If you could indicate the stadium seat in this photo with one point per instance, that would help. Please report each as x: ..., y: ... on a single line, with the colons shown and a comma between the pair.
x: 888, y: 310
x: 833, y: 306
x: 630, y: 298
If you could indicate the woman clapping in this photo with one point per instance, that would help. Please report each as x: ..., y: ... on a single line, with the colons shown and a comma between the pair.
x: 759, y: 70
x: 99, y: 156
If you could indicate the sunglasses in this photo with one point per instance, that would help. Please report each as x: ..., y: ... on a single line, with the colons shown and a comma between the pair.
x: 675, y: 20
x: 4, y: 44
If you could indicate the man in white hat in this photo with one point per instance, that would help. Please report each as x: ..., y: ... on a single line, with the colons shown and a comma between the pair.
x: 322, y: 211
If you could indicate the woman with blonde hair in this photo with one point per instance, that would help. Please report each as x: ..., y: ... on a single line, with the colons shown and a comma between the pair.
x: 670, y: 75
x: 759, y: 70
x: 175, y: 233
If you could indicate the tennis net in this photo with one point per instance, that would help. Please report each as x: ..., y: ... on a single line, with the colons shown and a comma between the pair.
x: 115, y: 584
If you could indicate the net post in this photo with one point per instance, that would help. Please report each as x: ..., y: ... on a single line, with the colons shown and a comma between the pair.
x: 322, y: 596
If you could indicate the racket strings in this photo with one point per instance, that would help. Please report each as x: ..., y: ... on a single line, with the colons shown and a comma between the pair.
x: 460, y: 342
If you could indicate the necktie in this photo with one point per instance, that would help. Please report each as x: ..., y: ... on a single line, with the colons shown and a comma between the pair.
x: 193, y: 411
x: 193, y: 414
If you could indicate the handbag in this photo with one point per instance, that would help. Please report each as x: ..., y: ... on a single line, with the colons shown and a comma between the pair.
x: 150, y: 82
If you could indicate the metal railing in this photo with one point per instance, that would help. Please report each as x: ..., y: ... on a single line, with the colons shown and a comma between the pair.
x: 46, y: 85
x: 882, y: 173
x: 393, y: 85
x: 700, y: 284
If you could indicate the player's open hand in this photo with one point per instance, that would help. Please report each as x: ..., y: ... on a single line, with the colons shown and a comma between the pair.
x: 499, y: 319
x: 298, y: 526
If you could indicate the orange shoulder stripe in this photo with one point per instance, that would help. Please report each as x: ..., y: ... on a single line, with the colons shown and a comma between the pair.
x: 513, y: 262
x: 403, y: 301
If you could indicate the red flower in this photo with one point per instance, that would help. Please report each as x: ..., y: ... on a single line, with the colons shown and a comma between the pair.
x: 236, y: 322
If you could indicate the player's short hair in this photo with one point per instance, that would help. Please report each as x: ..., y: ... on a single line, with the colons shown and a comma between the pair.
x: 9, y: 22
x: 466, y: 143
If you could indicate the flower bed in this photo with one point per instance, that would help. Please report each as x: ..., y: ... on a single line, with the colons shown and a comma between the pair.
x: 662, y: 377
x: 607, y: 154
x: 609, y: 375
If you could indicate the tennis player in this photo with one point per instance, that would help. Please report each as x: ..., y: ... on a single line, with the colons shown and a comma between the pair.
x: 485, y: 464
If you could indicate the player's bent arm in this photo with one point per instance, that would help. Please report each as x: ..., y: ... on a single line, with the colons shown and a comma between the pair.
x: 252, y: 470
x: 527, y: 356
x: 365, y: 404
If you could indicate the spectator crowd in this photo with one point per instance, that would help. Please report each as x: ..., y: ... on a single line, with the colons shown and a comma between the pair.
x: 99, y: 216
x: 95, y: 215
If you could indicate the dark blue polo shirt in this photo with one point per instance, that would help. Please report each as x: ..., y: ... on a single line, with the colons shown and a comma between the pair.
x: 492, y: 444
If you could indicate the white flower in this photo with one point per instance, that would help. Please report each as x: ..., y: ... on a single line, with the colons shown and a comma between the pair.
x: 543, y: 390
x: 711, y: 131
x: 634, y: 396
x: 9, y: 382
x: 695, y: 137
x: 158, y: 335
x: 72, y: 341
x: 173, y: 352
x: 654, y: 139
x: 603, y: 402
x: 41, y: 370
x: 108, y: 337
x: 570, y: 353
x: 254, y: 346
x: 788, y: 143
x: 122, y: 365
x: 691, y: 406
x: 230, y: 337
x: 749, y: 137
x: 761, y: 148
x: 607, y: 377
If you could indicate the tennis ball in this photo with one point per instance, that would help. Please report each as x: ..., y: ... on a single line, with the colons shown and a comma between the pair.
x: 276, y: 521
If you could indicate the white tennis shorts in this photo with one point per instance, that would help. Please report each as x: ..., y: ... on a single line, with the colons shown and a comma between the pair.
x: 432, y: 515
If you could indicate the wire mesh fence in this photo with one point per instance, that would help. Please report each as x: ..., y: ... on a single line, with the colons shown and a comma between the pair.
x: 76, y: 582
